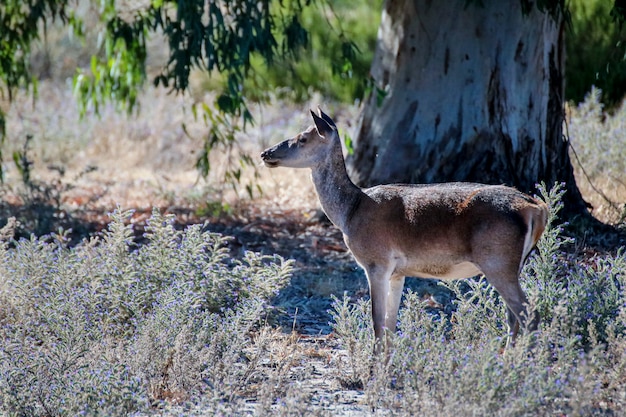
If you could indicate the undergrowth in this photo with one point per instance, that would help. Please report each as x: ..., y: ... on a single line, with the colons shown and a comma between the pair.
x: 175, y: 326
x: 597, y: 149
x: 455, y: 365
x: 111, y: 328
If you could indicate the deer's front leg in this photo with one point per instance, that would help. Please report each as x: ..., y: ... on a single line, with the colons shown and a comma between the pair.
x: 379, y: 279
x: 396, y: 285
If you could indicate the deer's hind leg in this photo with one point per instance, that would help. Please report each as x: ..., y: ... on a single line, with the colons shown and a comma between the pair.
x: 513, y: 323
x: 504, y: 277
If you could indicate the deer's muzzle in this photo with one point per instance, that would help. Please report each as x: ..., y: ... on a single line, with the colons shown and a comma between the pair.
x: 268, y: 158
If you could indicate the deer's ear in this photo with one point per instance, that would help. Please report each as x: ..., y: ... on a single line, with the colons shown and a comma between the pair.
x: 326, y: 117
x: 323, y: 128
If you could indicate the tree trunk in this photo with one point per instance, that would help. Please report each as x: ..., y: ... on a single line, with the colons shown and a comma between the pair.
x: 465, y: 93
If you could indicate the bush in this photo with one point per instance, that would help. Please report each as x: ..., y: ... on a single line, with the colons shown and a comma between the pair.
x: 455, y: 366
x: 599, y: 150
x: 110, y: 327
x: 594, y: 46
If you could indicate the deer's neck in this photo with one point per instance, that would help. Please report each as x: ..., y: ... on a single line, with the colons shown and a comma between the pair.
x: 338, y: 195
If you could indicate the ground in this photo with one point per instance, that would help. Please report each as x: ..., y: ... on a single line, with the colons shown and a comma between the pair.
x: 300, y: 312
x: 83, y: 170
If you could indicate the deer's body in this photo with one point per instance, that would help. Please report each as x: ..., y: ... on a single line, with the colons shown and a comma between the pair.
x: 446, y: 231
x: 443, y: 235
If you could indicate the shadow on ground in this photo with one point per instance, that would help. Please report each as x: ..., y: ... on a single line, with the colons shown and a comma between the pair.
x: 323, y: 266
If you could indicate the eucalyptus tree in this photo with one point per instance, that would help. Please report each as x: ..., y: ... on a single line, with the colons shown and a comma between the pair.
x: 467, y: 90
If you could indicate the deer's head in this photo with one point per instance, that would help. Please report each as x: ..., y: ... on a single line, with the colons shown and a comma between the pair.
x: 305, y: 150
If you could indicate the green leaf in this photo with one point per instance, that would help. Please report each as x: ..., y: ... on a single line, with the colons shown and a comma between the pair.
x: 347, y: 140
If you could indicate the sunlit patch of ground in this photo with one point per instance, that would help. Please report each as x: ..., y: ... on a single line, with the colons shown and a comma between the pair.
x: 146, y: 159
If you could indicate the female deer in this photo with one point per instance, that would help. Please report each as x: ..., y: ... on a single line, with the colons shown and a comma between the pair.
x: 446, y: 231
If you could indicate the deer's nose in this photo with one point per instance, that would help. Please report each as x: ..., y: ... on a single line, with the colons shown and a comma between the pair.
x: 268, y: 159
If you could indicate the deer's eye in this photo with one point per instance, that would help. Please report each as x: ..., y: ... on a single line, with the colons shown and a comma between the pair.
x: 303, y: 139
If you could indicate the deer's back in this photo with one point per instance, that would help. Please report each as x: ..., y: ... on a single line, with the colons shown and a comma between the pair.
x: 435, y: 205
x: 439, y: 223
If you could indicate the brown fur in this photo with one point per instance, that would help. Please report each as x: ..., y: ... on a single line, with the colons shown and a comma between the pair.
x: 448, y: 231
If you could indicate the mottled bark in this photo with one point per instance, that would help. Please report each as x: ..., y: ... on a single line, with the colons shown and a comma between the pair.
x: 473, y: 93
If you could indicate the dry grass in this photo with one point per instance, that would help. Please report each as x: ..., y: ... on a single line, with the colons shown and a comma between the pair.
x: 599, y: 157
x: 146, y: 159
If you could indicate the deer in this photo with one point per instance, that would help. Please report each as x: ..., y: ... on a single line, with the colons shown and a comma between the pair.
x: 446, y: 231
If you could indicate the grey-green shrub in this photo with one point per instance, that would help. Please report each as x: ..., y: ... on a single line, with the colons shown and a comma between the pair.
x: 456, y: 365
x: 590, y: 291
x: 598, y: 150
x: 352, y: 322
x: 110, y: 327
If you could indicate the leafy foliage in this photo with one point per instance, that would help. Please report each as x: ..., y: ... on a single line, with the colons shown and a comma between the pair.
x: 118, y: 74
x: 19, y: 28
x: 595, y: 47
x: 335, y: 61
